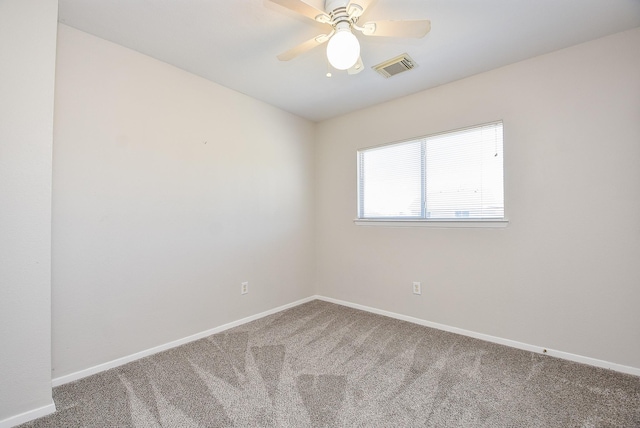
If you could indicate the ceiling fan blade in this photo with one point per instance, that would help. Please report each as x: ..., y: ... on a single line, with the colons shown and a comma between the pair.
x: 410, y: 28
x: 303, y: 47
x: 303, y: 8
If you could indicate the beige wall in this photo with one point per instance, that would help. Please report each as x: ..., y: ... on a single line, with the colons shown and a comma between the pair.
x: 565, y: 273
x: 27, y: 66
x: 168, y: 192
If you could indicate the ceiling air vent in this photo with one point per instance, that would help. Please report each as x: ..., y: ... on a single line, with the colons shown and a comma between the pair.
x: 395, y: 65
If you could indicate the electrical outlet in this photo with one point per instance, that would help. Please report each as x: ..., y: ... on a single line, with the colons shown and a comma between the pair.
x: 244, y: 288
x: 417, y: 288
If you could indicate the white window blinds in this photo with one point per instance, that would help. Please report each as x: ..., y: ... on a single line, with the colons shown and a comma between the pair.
x: 453, y: 175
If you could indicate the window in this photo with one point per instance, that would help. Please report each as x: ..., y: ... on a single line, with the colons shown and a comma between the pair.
x: 453, y: 176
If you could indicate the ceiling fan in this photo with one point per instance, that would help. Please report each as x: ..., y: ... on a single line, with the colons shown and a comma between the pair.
x: 343, y: 49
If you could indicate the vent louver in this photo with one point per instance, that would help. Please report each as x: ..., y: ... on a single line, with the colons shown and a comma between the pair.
x: 395, y: 65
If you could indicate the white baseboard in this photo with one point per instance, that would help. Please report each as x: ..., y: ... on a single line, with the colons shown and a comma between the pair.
x: 507, y: 342
x: 511, y: 343
x: 133, y: 357
x: 28, y: 416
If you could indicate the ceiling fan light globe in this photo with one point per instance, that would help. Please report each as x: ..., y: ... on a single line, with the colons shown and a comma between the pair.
x: 343, y: 50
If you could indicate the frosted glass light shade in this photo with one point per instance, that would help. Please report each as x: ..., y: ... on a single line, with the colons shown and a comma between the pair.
x: 343, y: 50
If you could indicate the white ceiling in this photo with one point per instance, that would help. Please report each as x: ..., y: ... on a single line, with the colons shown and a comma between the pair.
x: 235, y: 42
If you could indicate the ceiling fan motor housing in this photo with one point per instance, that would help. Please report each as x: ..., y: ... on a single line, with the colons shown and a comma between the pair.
x: 331, y: 5
x: 340, y: 18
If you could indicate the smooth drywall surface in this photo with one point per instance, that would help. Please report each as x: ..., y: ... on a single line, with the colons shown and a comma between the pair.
x: 565, y: 273
x: 27, y: 67
x: 169, y: 191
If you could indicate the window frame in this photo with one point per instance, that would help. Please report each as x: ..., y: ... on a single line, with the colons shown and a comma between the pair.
x: 423, y: 221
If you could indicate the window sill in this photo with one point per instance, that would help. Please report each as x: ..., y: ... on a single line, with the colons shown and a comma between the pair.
x: 453, y: 224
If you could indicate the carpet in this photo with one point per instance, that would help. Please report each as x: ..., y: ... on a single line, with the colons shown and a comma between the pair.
x: 325, y: 365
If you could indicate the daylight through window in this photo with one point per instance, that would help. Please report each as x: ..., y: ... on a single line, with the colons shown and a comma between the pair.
x: 450, y: 176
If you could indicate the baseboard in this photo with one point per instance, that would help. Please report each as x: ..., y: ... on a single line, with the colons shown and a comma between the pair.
x: 507, y: 342
x: 28, y: 416
x: 511, y: 343
x: 133, y: 357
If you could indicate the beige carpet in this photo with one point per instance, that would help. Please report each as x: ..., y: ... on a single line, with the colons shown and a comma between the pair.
x: 321, y: 364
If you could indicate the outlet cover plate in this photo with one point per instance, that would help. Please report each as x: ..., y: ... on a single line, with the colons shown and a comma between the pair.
x: 417, y: 288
